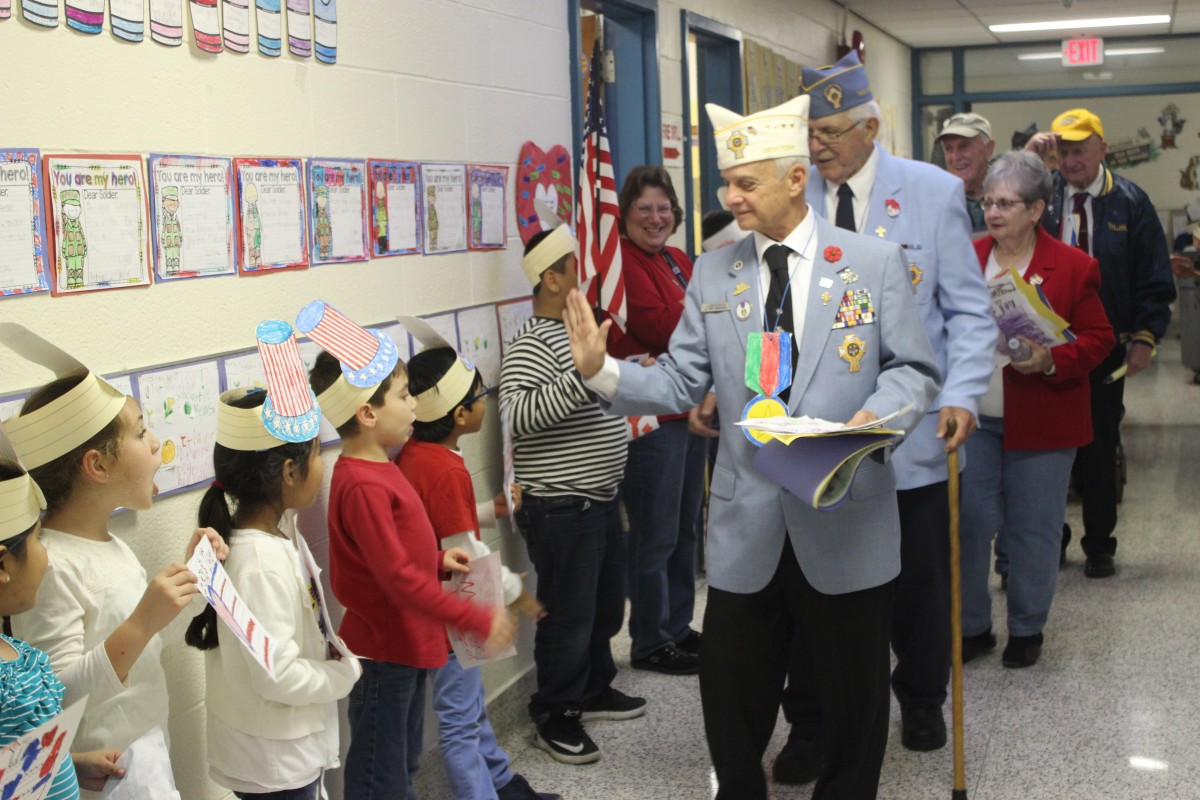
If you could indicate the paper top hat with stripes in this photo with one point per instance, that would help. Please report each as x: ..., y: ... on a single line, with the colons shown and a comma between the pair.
x: 443, y: 397
x: 367, y: 357
x: 68, y: 421
x: 561, y: 242
x: 288, y: 414
x: 21, y: 501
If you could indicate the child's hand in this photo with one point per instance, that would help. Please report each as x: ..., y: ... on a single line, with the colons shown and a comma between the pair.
x: 168, y: 593
x: 455, y: 560
x: 501, y: 634
x: 214, y: 538
x: 94, y: 768
x: 501, y: 502
x: 528, y: 606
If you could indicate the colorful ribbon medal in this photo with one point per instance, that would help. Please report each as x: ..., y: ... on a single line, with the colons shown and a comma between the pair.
x: 768, y: 372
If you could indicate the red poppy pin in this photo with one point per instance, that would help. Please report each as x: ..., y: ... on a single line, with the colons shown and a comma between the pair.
x: 893, y: 208
x: 833, y: 254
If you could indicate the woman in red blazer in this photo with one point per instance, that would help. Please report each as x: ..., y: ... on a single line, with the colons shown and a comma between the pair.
x: 1036, y: 412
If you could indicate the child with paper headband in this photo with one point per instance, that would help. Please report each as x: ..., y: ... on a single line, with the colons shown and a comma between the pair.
x: 450, y: 404
x: 269, y: 734
x: 98, y: 618
x: 383, y: 556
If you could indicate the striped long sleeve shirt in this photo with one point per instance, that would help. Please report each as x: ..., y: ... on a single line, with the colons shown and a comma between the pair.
x: 563, y: 444
x: 30, y: 694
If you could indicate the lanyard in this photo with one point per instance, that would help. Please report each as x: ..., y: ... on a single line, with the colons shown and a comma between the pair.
x: 788, y: 288
x: 682, y: 281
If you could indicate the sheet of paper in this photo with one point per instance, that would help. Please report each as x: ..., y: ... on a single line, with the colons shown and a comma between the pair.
x: 235, y: 17
x: 99, y: 222
x: 192, y: 212
x: 488, y: 187
x: 180, y: 407
x: 445, y: 325
x: 512, y: 314
x: 269, y: 24
x: 271, y: 208
x: 29, y: 763
x: 479, y: 341
x: 22, y: 226
x: 128, y: 18
x: 337, y: 203
x: 299, y: 27
x: 325, y: 30
x: 483, y: 586
x: 311, y: 573
x: 394, y: 218
x: 206, y: 25
x: 509, y: 456
x: 812, y: 426
x: 85, y: 16
x: 147, y: 764
x: 221, y: 594
x: 166, y: 22
x: 443, y: 188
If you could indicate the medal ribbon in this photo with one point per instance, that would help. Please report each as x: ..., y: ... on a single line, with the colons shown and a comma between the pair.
x: 766, y: 371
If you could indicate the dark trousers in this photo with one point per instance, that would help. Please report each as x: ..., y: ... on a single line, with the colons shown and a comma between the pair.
x: 578, y: 550
x: 920, y: 620
x: 1095, y: 470
x: 743, y: 660
x: 310, y: 792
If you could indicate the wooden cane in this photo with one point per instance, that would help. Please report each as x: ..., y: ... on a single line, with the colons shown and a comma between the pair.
x: 956, y: 681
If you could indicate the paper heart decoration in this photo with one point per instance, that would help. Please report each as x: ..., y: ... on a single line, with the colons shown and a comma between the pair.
x: 546, y: 177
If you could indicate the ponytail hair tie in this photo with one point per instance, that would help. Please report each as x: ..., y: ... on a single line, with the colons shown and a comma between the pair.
x: 218, y: 485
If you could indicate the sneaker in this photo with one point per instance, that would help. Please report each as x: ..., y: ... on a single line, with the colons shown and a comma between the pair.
x: 613, y: 704
x: 690, y: 643
x: 519, y: 789
x: 669, y: 660
x: 563, y: 737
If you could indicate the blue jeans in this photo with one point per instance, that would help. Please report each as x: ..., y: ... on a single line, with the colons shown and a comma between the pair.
x: 1023, y: 492
x: 475, y: 764
x: 387, y: 709
x: 310, y: 792
x: 663, y: 488
x: 578, y: 550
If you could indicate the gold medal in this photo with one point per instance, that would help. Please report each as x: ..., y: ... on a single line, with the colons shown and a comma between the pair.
x: 852, y: 350
x: 741, y: 287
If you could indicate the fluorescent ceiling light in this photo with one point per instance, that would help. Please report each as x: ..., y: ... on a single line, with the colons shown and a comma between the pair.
x: 1116, y: 51
x: 1077, y: 24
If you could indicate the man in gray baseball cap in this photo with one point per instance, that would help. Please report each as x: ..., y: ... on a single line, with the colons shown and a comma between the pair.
x: 967, y: 143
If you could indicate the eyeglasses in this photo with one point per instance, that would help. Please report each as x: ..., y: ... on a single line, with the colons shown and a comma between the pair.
x: 1004, y: 205
x: 829, y: 137
x: 484, y: 392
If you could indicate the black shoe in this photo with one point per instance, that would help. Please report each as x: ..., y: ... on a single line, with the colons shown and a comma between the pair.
x: 563, y: 737
x: 669, y: 660
x: 612, y: 704
x: 1099, y: 566
x: 1004, y: 582
x: 977, y: 645
x: 519, y: 789
x: 1022, y: 651
x: 1066, y: 540
x: 922, y: 727
x: 799, y: 761
x: 690, y: 643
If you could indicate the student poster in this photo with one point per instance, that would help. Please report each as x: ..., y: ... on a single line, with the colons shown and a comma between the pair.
x: 180, y: 407
x: 395, y: 213
x: 272, y: 234
x: 337, y: 208
x: 483, y: 586
x: 98, y: 225
x: 512, y: 314
x: 223, y: 596
x: 443, y: 201
x: 489, y: 220
x: 29, y: 764
x: 128, y: 19
x: 479, y: 341
x: 299, y: 27
x: 235, y: 19
x: 166, y: 22
x: 192, y: 216
x: 22, y: 228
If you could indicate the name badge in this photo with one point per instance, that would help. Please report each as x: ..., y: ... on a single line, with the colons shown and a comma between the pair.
x: 713, y: 308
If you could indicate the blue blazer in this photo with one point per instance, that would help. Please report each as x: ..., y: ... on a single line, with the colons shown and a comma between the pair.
x: 931, y: 223
x: 857, y: 545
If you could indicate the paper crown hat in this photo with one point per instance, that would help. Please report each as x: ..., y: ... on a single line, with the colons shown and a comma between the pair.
x: 779, y: 132
x: 561, y: 242
x: 21, y: 501
x: 452, y: 388
x: 367, y: 357
x: 288, y: 413
x: 836, y: 88
x: 68, y: 421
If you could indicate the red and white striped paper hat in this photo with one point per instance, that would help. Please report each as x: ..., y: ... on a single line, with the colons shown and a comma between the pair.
x: 367, y: 357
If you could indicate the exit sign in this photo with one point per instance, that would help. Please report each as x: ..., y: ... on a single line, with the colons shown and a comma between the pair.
x: 1082, y: 52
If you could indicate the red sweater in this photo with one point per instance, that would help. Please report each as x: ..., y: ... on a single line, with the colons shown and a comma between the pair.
x: 384, y: 565
x: 1049, y: 412
x: 440, y: 479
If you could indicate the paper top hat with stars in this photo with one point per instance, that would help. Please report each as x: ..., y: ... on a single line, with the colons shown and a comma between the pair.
x: 443, y: 397
x: 21, y: 500
x: 836, y: 88
x: 289, y: 413
x: 779, y: 132
x: 367, y: 357
x: 68, y: 421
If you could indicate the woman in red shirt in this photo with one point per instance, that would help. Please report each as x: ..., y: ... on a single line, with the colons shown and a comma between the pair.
x: 1036, y: 411
x: 664, y: 478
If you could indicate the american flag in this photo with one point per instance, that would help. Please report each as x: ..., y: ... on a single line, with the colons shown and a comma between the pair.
x: 600, y: 276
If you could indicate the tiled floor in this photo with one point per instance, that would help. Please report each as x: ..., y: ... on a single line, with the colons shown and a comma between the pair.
x: 1110, y: 711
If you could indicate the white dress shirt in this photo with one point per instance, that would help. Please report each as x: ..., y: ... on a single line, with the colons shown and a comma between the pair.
x: 860, y: 183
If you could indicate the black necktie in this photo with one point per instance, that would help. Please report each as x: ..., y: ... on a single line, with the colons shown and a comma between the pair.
x: 1081, y: 240
x: 845, y: 210
x: 778, y: 311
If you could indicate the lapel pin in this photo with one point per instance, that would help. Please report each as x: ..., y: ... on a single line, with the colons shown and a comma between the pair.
x: 825, y: 297
x: 893, y: 208
x: 743, y: 311
x: 880, y: 231
x: 741, y: 287
x: 737, y: 265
